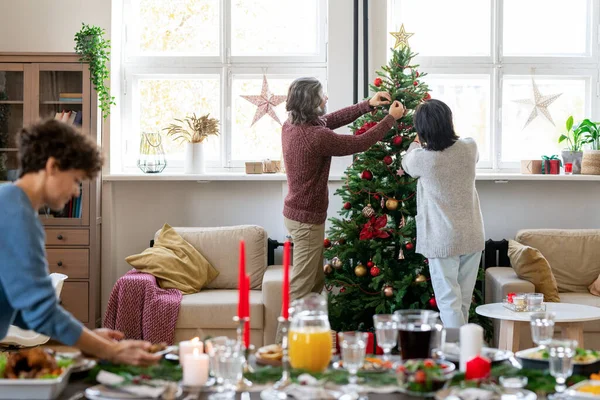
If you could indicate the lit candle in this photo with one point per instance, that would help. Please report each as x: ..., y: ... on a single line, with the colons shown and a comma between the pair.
x: 286, y: 281
x: 187, y: 347
x: 195, y: 369
x: 471, y: 342
x: 247, y: 308
x: 242, y: 292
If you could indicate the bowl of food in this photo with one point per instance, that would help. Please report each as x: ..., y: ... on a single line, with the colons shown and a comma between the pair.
x: 371, y: 364
x: 585, y: 361
x: 588, y: 389
x: 424, y: 377
x: 269, y: 355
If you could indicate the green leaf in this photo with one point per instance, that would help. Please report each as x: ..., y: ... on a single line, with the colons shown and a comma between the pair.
x: 562, y: 138
x: 569, y: 123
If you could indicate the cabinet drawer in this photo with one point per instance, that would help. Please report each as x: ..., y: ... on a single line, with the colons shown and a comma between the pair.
x: 75, y: 299
x: 72, y: 262
x: 67, y: 237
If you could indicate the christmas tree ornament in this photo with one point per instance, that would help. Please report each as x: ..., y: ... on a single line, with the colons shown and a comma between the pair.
x: 377, y: 82
x: 327, y: 269
x: 401, y: 37
x: 427, y: 97
x: 336, y: 263
x: 432, y: 302
x: 388, y: 290
x: 375, y: 271
x: 397, y: 140
x: 326, y: 243
x: 540, y: 104
x: 370, y: 264
x: 376, y: 196
x: 409, y: 246
x: 342, y: 241
x: 391, y: 204
x: 368, y: 211
x: 420, y: 278
x: 415, y: 83
x: 367, y: 175
x: 388, y: 160
x: 402, y: 222
x: 265, y: 103
x: 343, y: 290
x: 400, y: 172
x: 375, y: 229
x: 360, y: 270
x: 426, y: 261
x: 401, y: 255
x: 347, y: 205
x: 382, y: 204
x: 417, y: 74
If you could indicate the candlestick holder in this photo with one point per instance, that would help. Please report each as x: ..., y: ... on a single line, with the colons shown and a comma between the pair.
x: 243, y: 384
x: 277, y: 391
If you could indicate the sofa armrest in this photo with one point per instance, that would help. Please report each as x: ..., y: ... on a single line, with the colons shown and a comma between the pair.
x: 271, y: 294
x: 499, y: 281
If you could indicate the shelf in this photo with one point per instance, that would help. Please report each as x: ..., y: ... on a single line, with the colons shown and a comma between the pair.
x: 8, y: 149
x: 11, y: 101
x: 61, y: 102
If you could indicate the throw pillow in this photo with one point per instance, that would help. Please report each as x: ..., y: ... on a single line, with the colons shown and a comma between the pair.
x: 175, y: 263
x: 530, y: 265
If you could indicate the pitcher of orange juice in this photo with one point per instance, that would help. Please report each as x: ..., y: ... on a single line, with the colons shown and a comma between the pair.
x: 309, y: 338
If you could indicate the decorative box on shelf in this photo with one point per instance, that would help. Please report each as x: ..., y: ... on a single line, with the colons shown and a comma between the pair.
x: 271, y: 166
x: 531, y: 167
x: 254, y: 167
x: 524, y: 302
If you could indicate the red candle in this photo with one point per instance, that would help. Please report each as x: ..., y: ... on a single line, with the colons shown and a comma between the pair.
x: 247, y: 309
x: 286, y: 281
x: 242, y: 291
x: 478, y: 368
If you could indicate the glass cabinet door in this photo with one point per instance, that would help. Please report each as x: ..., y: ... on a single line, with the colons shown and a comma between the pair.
x: 12, y: 117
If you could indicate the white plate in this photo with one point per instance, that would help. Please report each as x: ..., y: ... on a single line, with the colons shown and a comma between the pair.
x: 452, y: 353
x: 447, y: 394
x: 101, y: 392
x: 574, y: 394
x: 34, y: 389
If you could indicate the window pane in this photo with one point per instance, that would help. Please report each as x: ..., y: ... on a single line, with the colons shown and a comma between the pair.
x: 274, y: 27
x: 545, y: 27
x: 176, y: 27
x: 444, y: 28
x: 468, y: 96
x: 540, y: 137
x: 163, y: 100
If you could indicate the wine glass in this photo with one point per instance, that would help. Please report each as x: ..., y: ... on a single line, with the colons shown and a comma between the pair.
x: 353, y: 346
x: 561, y: 354
x: 228, y: 361
x: 386, y: 329
x: 542, y: 327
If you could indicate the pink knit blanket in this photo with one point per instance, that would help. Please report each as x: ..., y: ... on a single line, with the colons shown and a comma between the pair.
x: 140, y: 309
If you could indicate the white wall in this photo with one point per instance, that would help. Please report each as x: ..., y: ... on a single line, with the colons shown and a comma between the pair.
x: 133, y: 211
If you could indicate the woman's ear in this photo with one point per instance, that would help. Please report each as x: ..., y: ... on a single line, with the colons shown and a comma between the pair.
x: 51, y: 166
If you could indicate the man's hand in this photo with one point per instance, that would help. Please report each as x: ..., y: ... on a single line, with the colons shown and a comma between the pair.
x: 109, y: 334
x: 397, y: 110
x: 380, y: 99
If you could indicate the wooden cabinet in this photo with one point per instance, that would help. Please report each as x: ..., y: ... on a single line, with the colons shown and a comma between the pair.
x: 36, y: 86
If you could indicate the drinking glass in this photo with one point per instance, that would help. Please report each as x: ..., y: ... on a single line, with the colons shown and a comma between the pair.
x: 542, y: 327
x: 386, y: 329
x: 421, y: 335
x: 228, y: 360
x: 353, y: 346
x: 561, y: 354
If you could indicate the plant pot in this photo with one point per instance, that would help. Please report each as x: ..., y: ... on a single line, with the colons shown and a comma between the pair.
x: 194, y: 159
x: 573, y: 157
x: 590, y: 164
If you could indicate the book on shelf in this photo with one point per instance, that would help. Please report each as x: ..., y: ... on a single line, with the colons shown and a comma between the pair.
x: 74, y: 97
x: 70, y: 117
x: 69, y: 94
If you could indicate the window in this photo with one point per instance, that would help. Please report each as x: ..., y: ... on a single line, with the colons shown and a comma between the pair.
x: 484, y: 64
x: 201, y: 56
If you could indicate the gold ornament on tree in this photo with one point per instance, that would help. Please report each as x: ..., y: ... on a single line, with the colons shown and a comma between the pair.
x: 401, y: 37
x: 336, y: 263
x: 360, y: 270
x: 388, y: 291
x: 327, y: 269
x: 540, y: 104
x: 391, y: 204
x: 420, y: 278
x: 368, y: 211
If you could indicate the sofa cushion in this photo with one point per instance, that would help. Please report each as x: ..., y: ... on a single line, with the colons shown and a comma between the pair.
x: 216, y: 308
x: 585, y: 299
x: 220, y: 246
x: 530, y: 265
x: 574, y: 255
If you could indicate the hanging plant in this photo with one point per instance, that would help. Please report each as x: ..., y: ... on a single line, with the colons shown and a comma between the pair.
x: 94, y: 50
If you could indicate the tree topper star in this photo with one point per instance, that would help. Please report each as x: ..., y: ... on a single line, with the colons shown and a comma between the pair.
x: 401, y: 37
x: 540, y: 104
x: 265, y: 103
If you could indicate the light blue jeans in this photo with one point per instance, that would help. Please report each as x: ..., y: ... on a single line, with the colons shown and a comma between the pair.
x: 453, y: 280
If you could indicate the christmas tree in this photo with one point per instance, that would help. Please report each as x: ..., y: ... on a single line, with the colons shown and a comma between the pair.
x: 373, y: 267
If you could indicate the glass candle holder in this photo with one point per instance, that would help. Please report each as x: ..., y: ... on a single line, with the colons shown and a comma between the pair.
x: 520, y: 302
x: 568, y: 168
x: 535, y: 302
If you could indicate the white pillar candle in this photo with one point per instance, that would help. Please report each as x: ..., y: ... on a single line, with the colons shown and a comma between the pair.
x: 195, y: 369
x: 187, y: 347
x: 471, y: 342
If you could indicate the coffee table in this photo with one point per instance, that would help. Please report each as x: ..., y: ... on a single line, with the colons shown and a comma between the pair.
x: 570, y: 317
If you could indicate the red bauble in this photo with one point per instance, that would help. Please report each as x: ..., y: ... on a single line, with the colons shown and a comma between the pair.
x: 415, y: 83
x: 432, y: 302
x: 417, y: 74
x: 427, y: 97
x: 376, y: 196
x: 327, y: 243
x: 343, y: 290
x: 397, y: 140
x: 366, y: 174
x: 388, y: 160
x: 426, y: 261
x: 409, y: 246
x: 375, y: 271
x: 370, y: 264
x: 377, y: 82
x: 347, y: 205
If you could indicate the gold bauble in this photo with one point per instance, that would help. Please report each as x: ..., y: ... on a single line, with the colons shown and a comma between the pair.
x: 388, y: 291
x: 327, y: 269
x: 391, y: 204
x: 368, y: 211
x: 360, y: 270
x: 336, y: 263
x: 420, y: 278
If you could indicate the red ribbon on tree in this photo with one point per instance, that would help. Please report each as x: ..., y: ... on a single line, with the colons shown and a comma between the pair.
x: 374, y: 229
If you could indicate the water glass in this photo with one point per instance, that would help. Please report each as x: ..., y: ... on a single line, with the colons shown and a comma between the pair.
x: 227, y: 361
x: 535, y: 302
x: 353, y: 346
x: 386, y: 329
x: 561, y: 354
x: 542, y: 327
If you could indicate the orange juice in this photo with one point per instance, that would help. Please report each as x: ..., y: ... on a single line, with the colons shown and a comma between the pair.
x: 310, y: 348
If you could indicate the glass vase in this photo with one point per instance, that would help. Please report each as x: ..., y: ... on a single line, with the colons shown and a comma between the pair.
x: 152, y: 156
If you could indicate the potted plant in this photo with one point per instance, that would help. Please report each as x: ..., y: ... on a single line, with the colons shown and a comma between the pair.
x: 575, y: 140
x: 194, y: 131
x: 590, y: 164
x: 94, y: 50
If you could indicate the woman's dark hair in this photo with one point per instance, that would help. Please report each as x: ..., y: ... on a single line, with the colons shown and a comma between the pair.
x: 433, y: 123
x: 304, y: 100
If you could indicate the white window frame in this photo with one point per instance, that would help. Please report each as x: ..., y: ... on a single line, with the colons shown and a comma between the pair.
x: 498, y: 66
x: 137, y: 67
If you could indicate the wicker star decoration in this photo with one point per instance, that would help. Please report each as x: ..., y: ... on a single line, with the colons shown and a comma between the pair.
x: 265, y: 103
x: 401, y: 37
x: 540, y: 104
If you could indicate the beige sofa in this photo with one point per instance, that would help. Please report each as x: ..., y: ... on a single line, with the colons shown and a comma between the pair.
x: 573, y: 255
x: 210, y: 312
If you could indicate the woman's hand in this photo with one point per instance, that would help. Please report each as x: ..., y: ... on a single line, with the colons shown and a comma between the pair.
x: 109, y: 334
x: 380, y: 99
x: 133, y: 352
x: 397, y: 110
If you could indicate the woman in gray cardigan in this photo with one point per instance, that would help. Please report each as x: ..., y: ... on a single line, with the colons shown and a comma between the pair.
x: 449, y: 222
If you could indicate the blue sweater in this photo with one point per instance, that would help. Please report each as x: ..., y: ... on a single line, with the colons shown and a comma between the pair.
x: 27, y: 297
